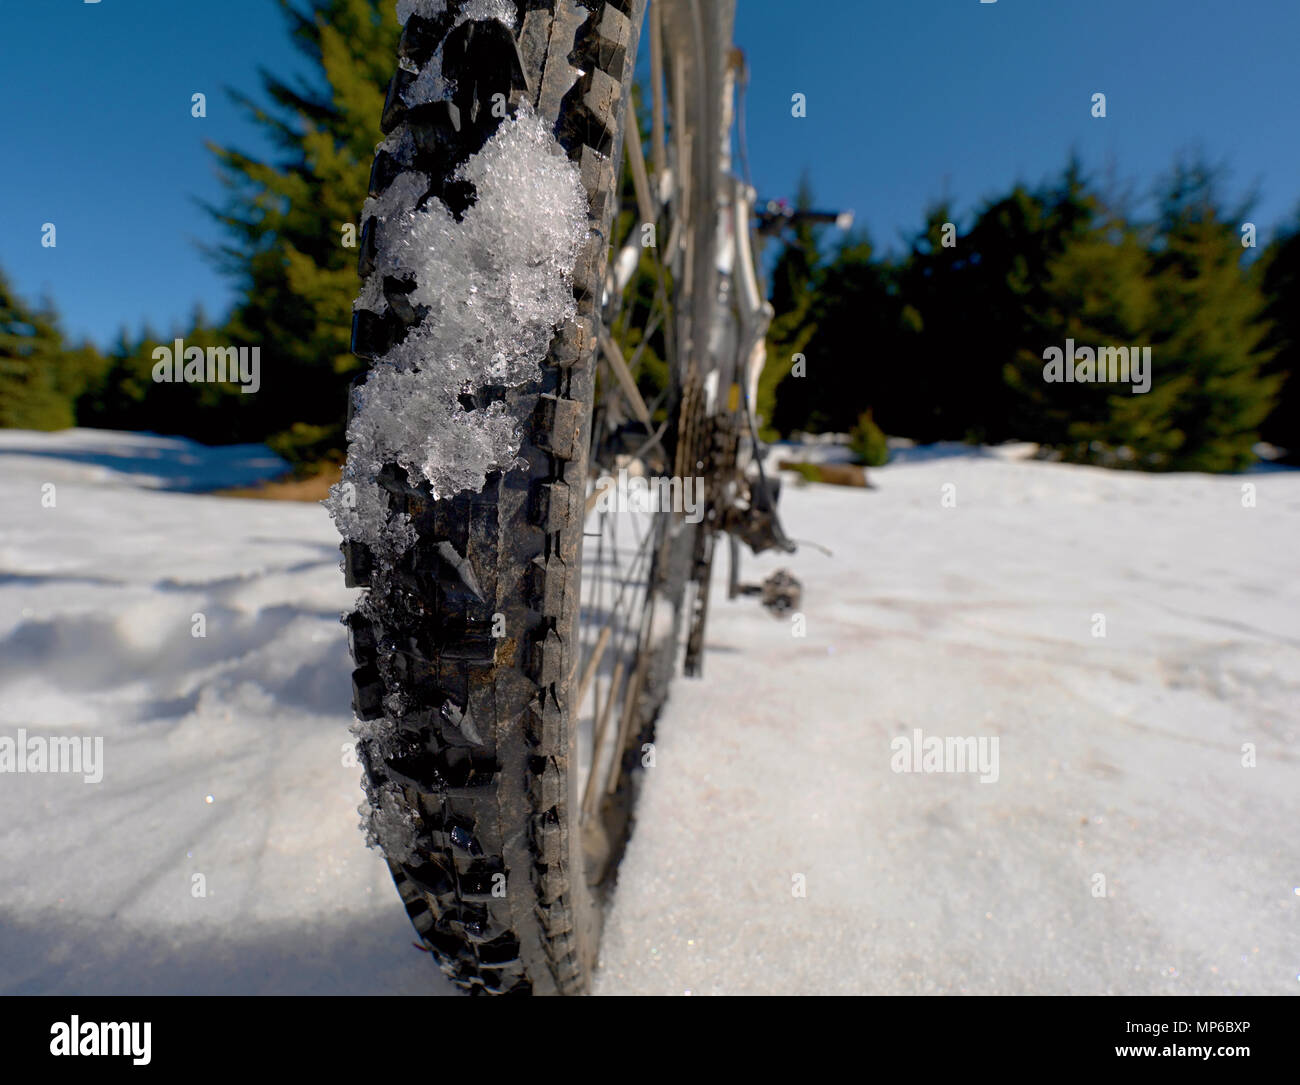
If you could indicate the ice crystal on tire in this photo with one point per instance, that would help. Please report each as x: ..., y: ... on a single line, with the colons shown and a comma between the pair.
x: 493, y: 287
x: 387, y: 822
x: 427, y: 9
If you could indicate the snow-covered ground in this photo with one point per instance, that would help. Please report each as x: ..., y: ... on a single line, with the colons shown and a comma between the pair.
x: 1118, y: 756
x: 97, y: 598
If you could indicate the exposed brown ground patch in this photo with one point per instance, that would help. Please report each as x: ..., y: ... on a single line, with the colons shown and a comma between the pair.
x: 837, y: 474
x: 314, y: 487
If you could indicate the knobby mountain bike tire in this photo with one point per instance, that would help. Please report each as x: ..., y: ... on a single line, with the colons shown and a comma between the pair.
x: 465, y: 646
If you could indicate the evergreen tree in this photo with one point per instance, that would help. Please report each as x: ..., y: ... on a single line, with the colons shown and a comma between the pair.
x: 849, y: 337
x: 794, y: 288
x: 968, y: 307
x: 285, y: 218
x: 1208, y: 339
x: 917, y: 396
x: 1177, y: 286
x: 125, y: 395
x: 116, y: 400
x: 29, y: 348
x: 1097, y: 292
x: 40, y: 375
x: 1280, y: 279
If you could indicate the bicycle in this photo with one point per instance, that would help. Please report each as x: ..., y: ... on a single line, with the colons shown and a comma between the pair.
x: 510, y: 662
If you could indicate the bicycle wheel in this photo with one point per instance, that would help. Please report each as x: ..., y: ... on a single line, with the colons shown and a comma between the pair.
x: 465, y: 493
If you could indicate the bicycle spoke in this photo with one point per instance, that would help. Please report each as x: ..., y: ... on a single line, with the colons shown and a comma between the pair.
x: 631, y: 393
x: 598, y: 746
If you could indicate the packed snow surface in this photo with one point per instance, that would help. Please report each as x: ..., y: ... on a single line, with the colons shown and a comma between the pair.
x: 228, y: 756
x: 134, y: 460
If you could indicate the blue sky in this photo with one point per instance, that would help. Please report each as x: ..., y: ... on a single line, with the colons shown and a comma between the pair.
x: 908, y: 101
